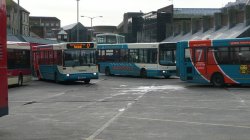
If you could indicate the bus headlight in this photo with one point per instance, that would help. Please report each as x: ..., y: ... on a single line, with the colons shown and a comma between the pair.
x: 67, y: 75
x: 164, y: 71
x: 95, y: 73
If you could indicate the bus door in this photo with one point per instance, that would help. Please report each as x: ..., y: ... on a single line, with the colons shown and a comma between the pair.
x: 186, y: 72
x: 35, y: 63
x: 199, y: 61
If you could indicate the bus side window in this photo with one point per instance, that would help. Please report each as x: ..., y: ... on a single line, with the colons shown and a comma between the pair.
x: 210, y: 55
x: 245, y: 55
x: 187, y: 55
x: 51, y: 57
x: 234, y: 55
x: 222, y: 55
x: 154, y: 56
x: 59, y: 57
x: 116, y: 55
x: 124, y: 55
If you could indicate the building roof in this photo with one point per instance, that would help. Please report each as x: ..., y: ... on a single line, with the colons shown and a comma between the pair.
x: 195, y: 11
x: 248, y: 2
x: 39, y: 17
x: 62, y: 32
x: 68, y: 27
x: 13, y: 38
x: 38, y: 40
x: 237, y: 2
x: 222, y: 33
x: 11, y: 3
x: 30, y: 39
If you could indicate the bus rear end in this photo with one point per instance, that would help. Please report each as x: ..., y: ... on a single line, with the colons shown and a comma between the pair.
x: 19, y: 68
x: 3, y: 62
x: 182, y: 62
x: 192, y: 60
x: 167, y: 59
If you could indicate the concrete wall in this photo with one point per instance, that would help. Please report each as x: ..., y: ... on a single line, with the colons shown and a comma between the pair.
x: 186, y: 26
x: 207, y: 23
x: 196, y: 25
x: 232, y: 17
x: 177, y: 28
x: 217, y: 21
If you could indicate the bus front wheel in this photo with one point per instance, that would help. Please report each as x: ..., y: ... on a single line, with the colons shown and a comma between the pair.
x: 217, y: 80
x: 167, y: 76
x: 20, y: 80
x: 87, y: 81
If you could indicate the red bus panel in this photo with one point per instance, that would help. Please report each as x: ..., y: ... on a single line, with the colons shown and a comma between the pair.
x: 3, y: 61
x: 200, y: 43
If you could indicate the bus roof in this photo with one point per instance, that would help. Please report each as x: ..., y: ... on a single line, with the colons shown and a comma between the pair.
x: 109, y: 34
x: 65, y: 45
x: 218, y: 42
x: 18, y: 45
x: 131, y: 45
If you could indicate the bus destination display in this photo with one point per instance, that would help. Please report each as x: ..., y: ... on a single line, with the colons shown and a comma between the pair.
x: 80, y: 45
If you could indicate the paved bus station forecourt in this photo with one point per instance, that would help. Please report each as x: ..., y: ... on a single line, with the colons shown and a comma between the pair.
x: 122, y: 108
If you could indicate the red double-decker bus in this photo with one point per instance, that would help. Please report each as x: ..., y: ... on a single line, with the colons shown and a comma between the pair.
x: 3, y: 61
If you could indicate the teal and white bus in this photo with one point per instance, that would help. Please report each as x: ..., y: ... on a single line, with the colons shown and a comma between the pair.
x: 65, y: 62
x: 138, y: 59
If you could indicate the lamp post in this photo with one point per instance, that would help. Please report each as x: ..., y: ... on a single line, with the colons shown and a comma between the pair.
x: 77, y: 28
x: 91, y: 26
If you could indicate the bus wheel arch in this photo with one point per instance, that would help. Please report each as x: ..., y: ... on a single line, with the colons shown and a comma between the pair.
x: 20, y: 79
x: 167, y: 76
x: 217, y: 79
x: 143, y: 73
x: 107, y: 71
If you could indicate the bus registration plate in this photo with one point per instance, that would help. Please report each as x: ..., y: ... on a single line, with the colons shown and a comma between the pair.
x: 80, y: 77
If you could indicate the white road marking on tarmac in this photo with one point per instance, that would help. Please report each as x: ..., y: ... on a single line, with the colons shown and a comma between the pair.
x: 141, y: 90
x: 189, y: 122
x: 107, y: 124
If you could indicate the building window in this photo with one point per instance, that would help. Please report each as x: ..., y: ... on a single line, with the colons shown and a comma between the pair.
x: 65, y: 36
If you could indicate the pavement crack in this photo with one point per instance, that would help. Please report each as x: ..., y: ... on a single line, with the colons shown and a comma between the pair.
x: 29, y: 103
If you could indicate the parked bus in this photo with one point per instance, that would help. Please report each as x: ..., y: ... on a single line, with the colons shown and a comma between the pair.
x: 217, y: 62
x: 110, y: 38
x: 3, y: 61
x: 19, y: 68
x: 137, y: 59
x: 66, y: 62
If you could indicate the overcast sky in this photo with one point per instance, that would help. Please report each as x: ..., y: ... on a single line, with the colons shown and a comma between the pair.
x: 111, y: 10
